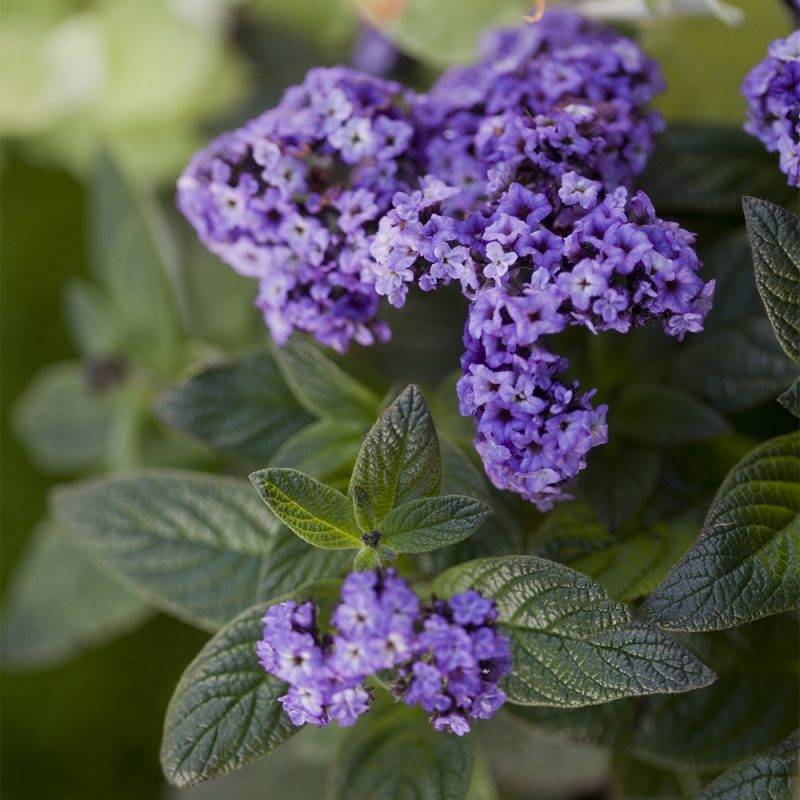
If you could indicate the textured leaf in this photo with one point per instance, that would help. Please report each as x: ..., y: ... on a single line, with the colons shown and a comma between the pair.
x: 664, y: 416
x: 752, y: 705
x: 618, y: 482
x: 224, y: 712
x: 428, y: 523
x: 322, y: 387
x: 319, y: 514
x: 771, y: 775
x: 197, y: 546
x: 400, y: 458
x: 774, y: 236
x: 63, y: 425
x: 243, y: 408
x: 571, y: 644
x: 325, y: 449
x: 394, y: 754
x: 746, y: 562
x: 790, y: 399
x: 707, y: 169
x: 60, y: 603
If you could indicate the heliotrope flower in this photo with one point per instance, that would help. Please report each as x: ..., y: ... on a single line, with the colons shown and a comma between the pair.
x: 445, y: 656
x: 293, y: 199
x: 772, y: 91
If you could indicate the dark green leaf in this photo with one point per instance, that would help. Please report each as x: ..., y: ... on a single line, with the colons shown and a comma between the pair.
x: 746, y: 562
x: 322, y: 387
x: 571, y: 644
x: 428, y: 523
x: 771, y: 775
x: 790, y: 399
x: 317, y: 513
x: 705, y: 169
x: 618, y: 482
x: 400, y: 458
x: 224, y: 712
x: 197, y: 546
x: 394, y: 754
x: 243, y: 408
x: 664, y: 416
x: 774, y: 236
x: 60, y: 603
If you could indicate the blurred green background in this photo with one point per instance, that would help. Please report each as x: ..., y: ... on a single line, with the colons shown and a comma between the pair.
x: 148, y: 82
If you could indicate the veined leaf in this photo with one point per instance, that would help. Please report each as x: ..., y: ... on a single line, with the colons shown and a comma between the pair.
x: 322, y: 387
x: 317, y: 513
x: 571, y: 644
x: 790, y: 399
x: 197, y: 546
x: 428, y: 523
x: 400, y: 458
x: 771, y: 775
x: 394, y: 754
x: 774, y: 236
x: 746, y: 562
x: 60, y: 603
x: 243, y: 408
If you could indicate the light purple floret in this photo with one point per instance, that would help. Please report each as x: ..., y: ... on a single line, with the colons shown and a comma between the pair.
x: 445, y: 656
x: 293, y: 199
x: 772, y: 91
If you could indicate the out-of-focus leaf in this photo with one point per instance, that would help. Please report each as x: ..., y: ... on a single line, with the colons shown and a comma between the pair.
x: 197, y: 546
x: 774, y: 236
x: 243, y: 408
x: 400, y: 459
x: 63, y: 424
x: 60, y: 603
x: 618, y: 482
x: 707, y: 169
x: 636, y: 780
x: 322, y: 387
x: 664, y: 416
x: 571, y: 645
x: 746, y: 562
x: 444, y: 407
x: 771, y: 775
x: 394, y: 753
x: 92, y: 320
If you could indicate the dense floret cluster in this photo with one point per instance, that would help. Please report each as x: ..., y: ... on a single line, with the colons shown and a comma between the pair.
x: 772, y: 91
x: 445, y: 656
x: 294, y: 196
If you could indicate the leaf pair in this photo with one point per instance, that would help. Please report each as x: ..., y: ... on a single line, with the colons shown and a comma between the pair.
x: 393, y: 503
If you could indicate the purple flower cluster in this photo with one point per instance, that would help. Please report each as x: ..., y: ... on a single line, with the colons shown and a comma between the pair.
x: 772, y: 91
x: 293, y: 199
x: 446, y: 656
x: 577, y: 255
x: 563, y: 94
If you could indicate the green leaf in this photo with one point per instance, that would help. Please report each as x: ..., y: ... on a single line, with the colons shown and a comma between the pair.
x: 243, y: 408
x: 771, y: 775
x: 224, y: 712
x: 318, y: 514
x: 400, y: 458
x: 774, y: 236
x: 62, y: 423
x: 93, y: 322
x: 394, y: 754
x: 130, y: 261
x: 367, y: 558
x: 571, y: 644
x: 707, y: 169
x: 618, y: 482
x: 752, y: 705
x: 428, y: 523
x: 746, y: 562
x: 59, y: 603
x: 198, y: 546
x: 664, y: 416
x: 790, y: 399
x: 322, y: 387
x: 636, y: 780
x: 325, y: 449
